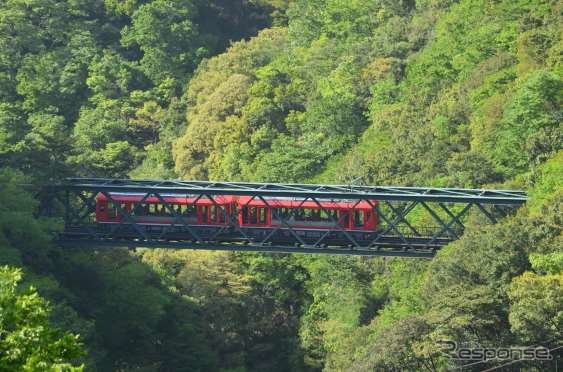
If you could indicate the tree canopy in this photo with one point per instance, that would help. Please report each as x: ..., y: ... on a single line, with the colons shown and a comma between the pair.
x: 461, y: 93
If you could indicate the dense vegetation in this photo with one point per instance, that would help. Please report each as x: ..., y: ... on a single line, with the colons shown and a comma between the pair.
x: 461, y: 93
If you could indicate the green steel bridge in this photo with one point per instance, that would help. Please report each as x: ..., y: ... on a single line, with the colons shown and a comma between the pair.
x: 413, y: 221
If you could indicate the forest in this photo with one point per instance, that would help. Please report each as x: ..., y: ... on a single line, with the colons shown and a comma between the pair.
x: 444, y: 93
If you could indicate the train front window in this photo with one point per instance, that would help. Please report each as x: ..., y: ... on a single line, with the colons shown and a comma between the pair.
x: 359, y: 218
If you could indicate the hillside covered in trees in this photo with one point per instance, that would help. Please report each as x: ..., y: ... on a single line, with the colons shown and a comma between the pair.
x: 456, y: 93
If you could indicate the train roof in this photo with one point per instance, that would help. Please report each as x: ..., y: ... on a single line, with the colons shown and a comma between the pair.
x: 300, y: 203
x: 274, y: 202
x: 170, y: 198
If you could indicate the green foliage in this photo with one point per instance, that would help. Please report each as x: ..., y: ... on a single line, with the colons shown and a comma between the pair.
x: 250, y: 301
x: 156, y: 328
x: 530, y: 130
x: 27, y: 341
x: 548, y: 183
x: 218, y: 94
x: 167, y: 37
x: 547, y: 263
x: 61, y: 61
x: 536, y: 312
x: 23, y: 238
x: 445, y: 93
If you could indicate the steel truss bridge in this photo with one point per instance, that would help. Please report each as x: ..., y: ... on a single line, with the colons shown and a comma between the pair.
x: 413, y: 221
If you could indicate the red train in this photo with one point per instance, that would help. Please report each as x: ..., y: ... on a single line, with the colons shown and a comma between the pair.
x: 257, y: 219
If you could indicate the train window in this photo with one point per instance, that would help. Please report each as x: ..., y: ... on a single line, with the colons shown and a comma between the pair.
x: 359, y: 218
x: 276, y: 213
x: 253, y: 215
x: 262, y: 215
x: 217, y: 214
x: 213, y: 213
x: 244, y: 212
x: 139, y: 209
x: 307, y: 214
x: 334, y: 214
x: 327, y: 215
x: 177, y: 208
x: 221, y: 213
x: 154, y: 209
x: 287, y: 213
x: 344, y: 218
x: 112, y: 210
x: 204, y: 211
x: 125, y: 208
x: 316, y: 215
x: 281, y: 213
x: 189, y: 210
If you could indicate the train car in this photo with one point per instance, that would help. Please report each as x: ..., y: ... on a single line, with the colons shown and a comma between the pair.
x: 277, y: 220
x: 282, y: 219
x: 349, y: 215
x: 178, y: 209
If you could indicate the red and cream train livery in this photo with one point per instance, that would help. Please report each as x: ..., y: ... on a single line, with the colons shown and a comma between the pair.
x: 253, y: 215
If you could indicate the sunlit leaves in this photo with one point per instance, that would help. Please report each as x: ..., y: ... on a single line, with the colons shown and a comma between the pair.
x: 27, y: 340
x: 165, y: 33
x: 536, y: 311
x: 530, y: 129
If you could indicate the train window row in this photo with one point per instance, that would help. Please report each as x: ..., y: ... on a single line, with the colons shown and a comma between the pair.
x: 208, y: 213
x: 254, y: 215
x: 250, y: 215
